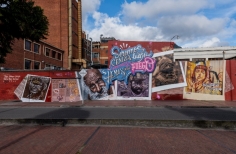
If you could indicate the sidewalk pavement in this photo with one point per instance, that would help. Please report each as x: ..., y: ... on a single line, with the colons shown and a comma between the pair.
x: 125, y: 103
x: 175, y: 113
x: 21, y: 139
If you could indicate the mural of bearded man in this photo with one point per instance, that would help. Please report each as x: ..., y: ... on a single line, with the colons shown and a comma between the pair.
x: 96, y: 87
x: 137, y: 86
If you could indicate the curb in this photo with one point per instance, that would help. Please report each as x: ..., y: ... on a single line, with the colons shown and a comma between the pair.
x: 106, y: 106
x: 128, y: 122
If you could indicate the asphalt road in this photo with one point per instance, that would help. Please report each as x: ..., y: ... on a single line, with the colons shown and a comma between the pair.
x: 140, y: 113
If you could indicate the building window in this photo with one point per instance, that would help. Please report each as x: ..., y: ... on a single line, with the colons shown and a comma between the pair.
x: 58, y: 68
x: 215, y: 58
x: 36, y: 48
x: 47, y: 66
x: 199, y: 59
x: 47, y: 52
x: 27, y: 64
x: 181, y: 59
x: 53, y: 54
x: 106, y: 62
x: 36, y: 65
x: 95, y: 55
x: 27, y: 45
x: 59, y: 56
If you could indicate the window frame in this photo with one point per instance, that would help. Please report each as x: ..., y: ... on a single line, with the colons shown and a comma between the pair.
x: 34, y: 43
x: 58, y: 53
x: 45, y: 50
x: 30, y: 67
x: 55, y: 57
x: 39, y: 65
x: 95, y: 53
x: 26, y: 45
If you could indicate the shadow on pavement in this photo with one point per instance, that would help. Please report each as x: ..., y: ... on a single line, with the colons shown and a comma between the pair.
x: 210, y: 117
x: 60, y: 116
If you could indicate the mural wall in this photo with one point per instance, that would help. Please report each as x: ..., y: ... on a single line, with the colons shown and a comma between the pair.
x: 65, y: 90
x: 137, y: 71
x: 205, y: 79
x: 95, y: 84
x: 168, y: 74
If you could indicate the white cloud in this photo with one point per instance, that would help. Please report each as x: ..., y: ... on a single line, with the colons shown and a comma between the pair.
x: 187, y: 18
x: 190, y: 26
x: 113, y: 27
x: 214, y: 42
x: 233, y: 23
x: 211, y: 42
x: 154, y: 8
x: 89, y: 7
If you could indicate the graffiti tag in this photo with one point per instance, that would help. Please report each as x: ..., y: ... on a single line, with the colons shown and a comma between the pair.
x: 147, y: 65
x: 124, y: 61
x: 11, y: 78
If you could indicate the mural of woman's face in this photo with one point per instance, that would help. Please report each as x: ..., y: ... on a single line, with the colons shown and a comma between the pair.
x: 200, y: 74
x: 35, y: 86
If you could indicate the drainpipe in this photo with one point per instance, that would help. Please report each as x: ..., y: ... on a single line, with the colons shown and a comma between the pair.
x: 70, y: 35
x: 91, y: 50
x: 80, y: 58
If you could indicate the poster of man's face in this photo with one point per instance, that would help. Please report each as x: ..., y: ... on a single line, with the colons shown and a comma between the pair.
x: 36, y: 88
x: 93, y: 87
x: 168, y: 73
x: 137, y: 88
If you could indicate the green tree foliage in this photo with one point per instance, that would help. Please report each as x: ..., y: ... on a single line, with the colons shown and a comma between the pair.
x: 20, y: 19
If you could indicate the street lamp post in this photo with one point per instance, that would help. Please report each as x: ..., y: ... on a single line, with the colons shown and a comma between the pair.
x: 91, y: 50
x: 177, y: 36
x: 101, y: 37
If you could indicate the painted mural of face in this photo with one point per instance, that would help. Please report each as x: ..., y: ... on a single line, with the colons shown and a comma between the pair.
x: 137, y: 86
x: 200, y: 74
x: 93, y: 80
x: 136, y: 83
x: 35, y: 85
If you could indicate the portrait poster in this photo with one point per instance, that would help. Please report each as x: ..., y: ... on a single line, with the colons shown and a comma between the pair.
x: 65, y: 90
x: 205, y: 80
x: 94, y: 86
x: 138, y: 87
x: 20, y: 88
x: 36, y: 88
x: 168, y: 73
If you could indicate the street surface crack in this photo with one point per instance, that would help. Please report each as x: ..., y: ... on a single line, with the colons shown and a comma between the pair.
x: 215, y: 141
x: 86, y: 142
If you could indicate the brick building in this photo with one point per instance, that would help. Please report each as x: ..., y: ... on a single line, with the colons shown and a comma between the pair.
x: 65, y: 34
x: 100, y: 52
x: 27, y: 55
x: 86, y: 49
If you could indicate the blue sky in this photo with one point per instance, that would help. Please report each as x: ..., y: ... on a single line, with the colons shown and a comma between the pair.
x: 198, y: 23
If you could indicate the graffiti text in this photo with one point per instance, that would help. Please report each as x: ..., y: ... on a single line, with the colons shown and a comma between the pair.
x: 147, y: 65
